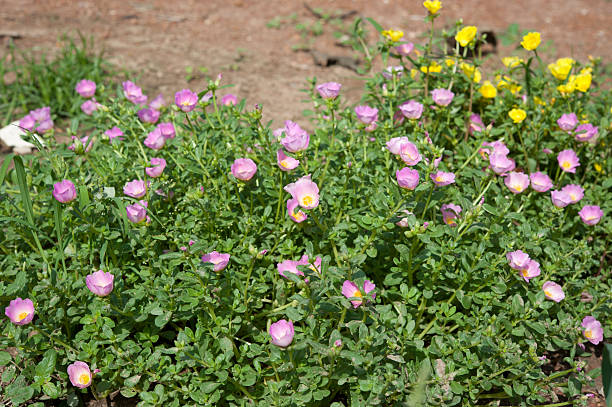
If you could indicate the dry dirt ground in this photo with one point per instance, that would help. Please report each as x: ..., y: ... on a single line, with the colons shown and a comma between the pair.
x: 162, y: 39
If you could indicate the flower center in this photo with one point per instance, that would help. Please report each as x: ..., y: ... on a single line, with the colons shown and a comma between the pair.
x: 588, y: 334
x: 358, y: 294
x: 439, y: 178
x: 84, y: 378
x: 284, y: 164
x: 450, y: 221
x: 590, y: 217
x: 573, y: 196
x: 548, y: 293
x: 518, y: 187
x: 22, y: 316
x: 185, y: 103
x: 525, y: 273
x: 566, y: 164
x: 307, y: 200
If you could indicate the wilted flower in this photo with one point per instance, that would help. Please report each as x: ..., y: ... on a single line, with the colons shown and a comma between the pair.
x: 532, y: 270
x: 590, y: 214
x: 135, y: 188
x: 500, y: 163
x: 389, y: 71
x: 115, y: 132
x: 19, y: 311
x: 157, y: 103
x: 186, y: 100
x: 442, y: 97
x: 64, y: 191
x: 404, y: 49
x: 133, y: 93
x: 411, y: 109
x: 395, y: 144
x: 568, y: 161
x: 305, y: 192
x: 167, y: 130
x: 407, y: 178
x: 137, y: 212
x: 148, y: 115
x: 410, y: 154
x: 298, y: 216
x: 155, y: 139
x: 86, y: 88
x: 243, y: 169
x: 218, y: 260
x: 285, y: 162
x: 592, y: 330
x: 517, y: 115
x: 433, y: 6
x: 296, y: 139
x: 89, y: 106
x: 441, y: 178
x: 329, y: 90
x: 518, y: 259
x: 450, y: 212
x: 350, y: 290
x: 100, y: 283
x: 553, y: 291
x: 531, y: 41
x: 282, y: 333
x: 540, y: 182
x: 79, y: 374
x: 575, y: 192
x: 158, y: 167
x: 466, y: 35
x: 366, y: 114
x: 516, y: 182
x: 567, y: 121
x: 585, y: 132
x: 229, y: 100
x: 560, y: 199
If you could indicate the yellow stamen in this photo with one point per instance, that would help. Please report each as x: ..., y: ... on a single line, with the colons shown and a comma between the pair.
x: 450, y: 221
x: 519, y: 188
x: 84, y: 378
x: 525, y: 272
x: 307, y: 200
x: 566, y: 164
x: 22, y: 316
x: 588, y: 333
x: 284, y: 163
x: 439, y: 178
x: 573, y: 196
x: 548, y: 293
x: 358, y: 294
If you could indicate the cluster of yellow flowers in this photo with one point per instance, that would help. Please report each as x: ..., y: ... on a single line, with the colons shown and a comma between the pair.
x: 471, y: 72
x: 580, y: 82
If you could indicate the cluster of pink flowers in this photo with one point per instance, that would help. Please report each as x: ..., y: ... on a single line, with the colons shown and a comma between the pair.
x: 521, y: 261
x: 304, y: 193
x: 37, y: 120
x: 157, y: 138
x: 568, y: 122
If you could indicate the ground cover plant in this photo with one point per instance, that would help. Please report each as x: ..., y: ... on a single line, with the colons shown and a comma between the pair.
x: 438, y: 244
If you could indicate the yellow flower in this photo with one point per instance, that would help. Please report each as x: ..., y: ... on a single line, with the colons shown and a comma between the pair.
x: 413, y: 73
x: 539, y: 101
x: 433, y: 6
x: 508, y: 83
x: 393, y: 35
x: 471, y: 72
x: 511, y: 62
x: 531, y: 41
x: 433, y: 68
x: 517, y: 115
x: 583, y: 81
x: 561, y: 68
x: 449, y: 62
x: 466, y: 35
x: 487, y: 90
x: 597, y: 167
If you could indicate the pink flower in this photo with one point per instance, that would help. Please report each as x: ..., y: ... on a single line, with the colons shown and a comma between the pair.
x: 540, y: 182
x: 133, y: 93
x: 389, y: 71
x: 115, y: 132
x: 518, y: 259
x: 517, y: 182
x: 476, y: 124
x: 404, y: 222
x: 329, y: 90
x: 575, y: 192
x: 500, y: 163
x: 19, y: 311
x: 560, y: 199
x: 498, y: 148
x: 27, y: 122
x: 305, y: 192
x: 441, y: 178
x: 45, y: 126
x: 591, y: 214
x: 532, y: 270
x: 285, y: 162
x: 135, y: 188
x: 148, y: 115
x: 89, y: 106
x: 291, y: 266
x: 100, y: 283
x: 296, y: 139
x: 86, y: 88
x: 442, y: 97
x: 407, y: 178
x: 567, y: 121
x: 167, y: 130
x: 229, y: 100
x: 350, y: 290
x: 158, y: 167
x: 79, y: 374
x: 41, y: 114
x: 186, y: 100
x: 568, y: 161
x: 411, y: 109
x: 157, y: 103
x: 244, y: 169
x: 592, y: 330
x: 553, y: 291
x: 64, y: 191
x: 219, y: 260
x: 366, y: 114
x: 395, y: 144
x: 80, y: 144
x: 282, y: 333
x: 586, y: 132
x: 450, y: 212
x: 155, y: 140
x: 298, y: 216
x: 404, y: 49
x: 410, y: 154
x: 337, y: 343
x: 137, y: 212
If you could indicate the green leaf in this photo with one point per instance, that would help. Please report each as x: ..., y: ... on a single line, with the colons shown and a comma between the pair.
x: 4, y: 168
x: 47, y: 365
x: 377, y: 26
x: 5, y: 358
